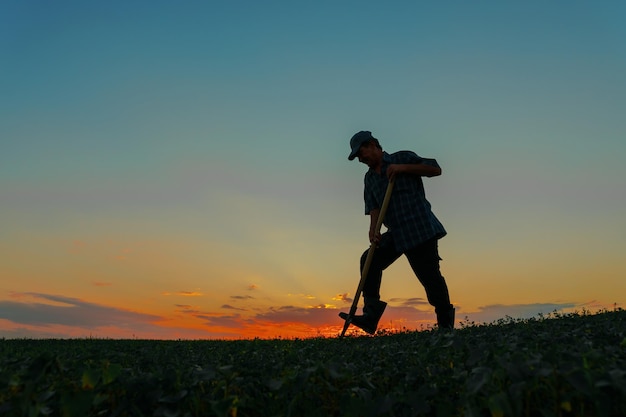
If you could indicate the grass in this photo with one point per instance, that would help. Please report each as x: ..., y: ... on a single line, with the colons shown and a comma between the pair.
x: 557, y: 365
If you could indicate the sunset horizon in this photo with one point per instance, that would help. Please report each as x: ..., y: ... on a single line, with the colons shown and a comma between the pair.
x: 51, y: 316
x: 180, y: 171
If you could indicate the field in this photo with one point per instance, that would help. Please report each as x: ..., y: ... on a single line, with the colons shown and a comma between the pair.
x: 557, y: 365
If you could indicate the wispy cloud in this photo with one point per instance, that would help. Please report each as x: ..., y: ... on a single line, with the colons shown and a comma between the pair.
x: 187, y: 309
x: 292, y: 314
x: 229, y: 307
x: 228, y: 325
x: 10, y: 331
x: 493, y: 312
x: 102, y: 284
x: 409, y: 302
x: 184, y: 293
x: 242, y: 297
x: 304, y: 296
x: 189, y: 293
x: 342, y: 297
x: 47, y: 309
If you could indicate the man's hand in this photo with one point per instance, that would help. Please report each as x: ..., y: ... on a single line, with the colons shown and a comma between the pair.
x: 394, y: 169
x: 375, y: 238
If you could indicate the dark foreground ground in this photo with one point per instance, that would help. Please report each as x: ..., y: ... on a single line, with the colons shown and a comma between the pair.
x: 561, y: 365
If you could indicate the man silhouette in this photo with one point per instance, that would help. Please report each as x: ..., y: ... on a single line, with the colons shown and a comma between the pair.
x: 412, y: 228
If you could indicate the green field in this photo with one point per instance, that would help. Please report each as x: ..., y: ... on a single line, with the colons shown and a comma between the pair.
x: 560, y: 365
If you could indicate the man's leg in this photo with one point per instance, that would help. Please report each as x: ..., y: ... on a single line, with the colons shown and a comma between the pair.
x: 384, y: 255
x: 424, y: 260
x: 373, y: 308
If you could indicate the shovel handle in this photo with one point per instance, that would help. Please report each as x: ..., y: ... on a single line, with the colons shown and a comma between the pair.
x: 370, y: 256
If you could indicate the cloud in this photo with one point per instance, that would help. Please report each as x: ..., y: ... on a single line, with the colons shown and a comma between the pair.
x: 59, y: 310
x: 187, y: 309
x: 242, y: 297
x: 102, y: 284
x: 409, y: 302
x: 10, y: 331
x: 189, y: 293
x: 318, y: 306
x: 317, y: 316
x: 342, y: 297
x: 305, y: 296
x: 253, y: 287
x: 216, y: 322
x: 184, y: 293
x: 493, y: 312
x: 229, y: 307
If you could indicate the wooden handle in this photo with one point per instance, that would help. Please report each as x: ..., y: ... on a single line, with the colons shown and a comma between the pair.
x: 370, y: 256
x: 383, y: 209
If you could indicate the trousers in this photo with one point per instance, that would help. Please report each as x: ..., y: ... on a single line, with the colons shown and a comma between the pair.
x: 424, y: 261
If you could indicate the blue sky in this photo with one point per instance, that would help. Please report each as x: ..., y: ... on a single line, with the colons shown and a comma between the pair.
x: 187, y: 161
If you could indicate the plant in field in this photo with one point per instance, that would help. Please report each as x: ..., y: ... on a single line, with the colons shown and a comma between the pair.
x: 558, y: 365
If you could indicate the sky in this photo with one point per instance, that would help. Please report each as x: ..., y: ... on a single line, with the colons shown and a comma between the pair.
x: 178, y: 170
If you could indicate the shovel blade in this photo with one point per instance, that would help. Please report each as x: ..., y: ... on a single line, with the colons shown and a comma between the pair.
x: 348, y: 319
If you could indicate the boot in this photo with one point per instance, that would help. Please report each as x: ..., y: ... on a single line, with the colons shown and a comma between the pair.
x: 372, y: 312
x: 445, y: 318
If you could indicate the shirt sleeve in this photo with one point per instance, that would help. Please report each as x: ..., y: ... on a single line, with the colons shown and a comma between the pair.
x: 409, y: 157
x: 431, y: 162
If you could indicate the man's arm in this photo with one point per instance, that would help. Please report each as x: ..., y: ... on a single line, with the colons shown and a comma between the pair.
x: 373, y: 221
x: 422, y: 170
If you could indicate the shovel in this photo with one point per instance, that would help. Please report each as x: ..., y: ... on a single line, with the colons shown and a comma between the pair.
x: 368, y: 260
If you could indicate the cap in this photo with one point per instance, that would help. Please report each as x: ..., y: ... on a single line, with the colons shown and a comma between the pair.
x: 357, y: 140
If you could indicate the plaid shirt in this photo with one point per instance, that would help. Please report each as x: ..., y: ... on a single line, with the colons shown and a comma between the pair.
x: 409, y: 219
